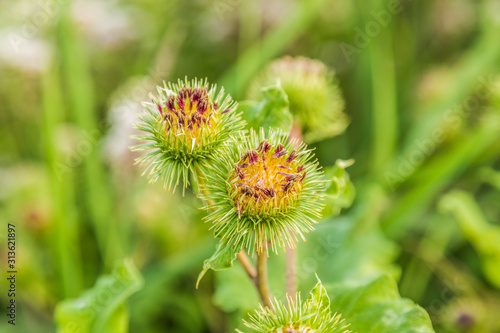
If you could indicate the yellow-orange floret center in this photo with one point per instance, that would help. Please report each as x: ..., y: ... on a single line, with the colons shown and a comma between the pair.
x: 266, y: 178
x: 191, y: 114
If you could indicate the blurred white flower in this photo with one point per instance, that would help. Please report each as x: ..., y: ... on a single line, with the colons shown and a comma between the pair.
x: 124, y: 111
x: 29, y: 55
x: 103, y: 22
x: 276, y: 12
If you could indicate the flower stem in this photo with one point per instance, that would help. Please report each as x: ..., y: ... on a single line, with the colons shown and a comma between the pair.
x: 262, y: 283
x: 291, y: 283
x: 247, y: 265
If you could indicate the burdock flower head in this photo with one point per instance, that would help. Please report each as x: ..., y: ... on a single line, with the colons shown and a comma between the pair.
x: 186, y: 127
x: 315, y: 98
x: 266, y: 192
x: 313, y: 316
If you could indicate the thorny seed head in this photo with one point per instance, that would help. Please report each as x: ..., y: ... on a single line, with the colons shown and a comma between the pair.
x: 312, y: 316
x: 186, y: 125
x: 315, y: 98
x: 264, y: 180
x: 268, y: 191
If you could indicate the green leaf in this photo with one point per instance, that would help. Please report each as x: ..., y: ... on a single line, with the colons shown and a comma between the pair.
x: 337, y: 253
x: 319, y: 295
x: 251, y: 111
x: 222, y: 259
x: 235, y: 291
x: 118, y: 322
x: 272, y: 111
x: 377, y: 307
x: 490, y: 176
x: 101, y: 308
x: 340, y: 191
x: 484, y: 237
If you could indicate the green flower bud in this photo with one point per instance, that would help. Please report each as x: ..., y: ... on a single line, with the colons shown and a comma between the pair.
x: 315, y: 98
x: 312, y: 316
x: 187, y: 126
x: 266, y: 192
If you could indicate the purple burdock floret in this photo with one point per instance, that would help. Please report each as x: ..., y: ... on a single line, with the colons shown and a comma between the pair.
x: 264, y: 146
x: 202, y: 106
x: 303, y: 176
x: 239, y: 172
x: 196, y: 95
x: 171, y: 103
x: 183, y: 92
x: 180, y: 102
x: 253, y: 156
x: 268, y: 192
x: 169, y: 118
x: 292, y: 156
x: 279, y: 151
x: 293, y: 177
x: 287, y: 186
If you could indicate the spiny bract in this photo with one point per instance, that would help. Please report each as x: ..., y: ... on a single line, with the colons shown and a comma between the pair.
x: 186, y: 125
x: 266, y: 192
x: 314, y: 316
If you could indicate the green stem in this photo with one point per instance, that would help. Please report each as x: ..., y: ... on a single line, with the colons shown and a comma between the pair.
x: 262, y: 282
x: 62, y: 189
x: 80, y: 91
x: 247, y: 266
x: 291, y: 281
x: 385, y: 113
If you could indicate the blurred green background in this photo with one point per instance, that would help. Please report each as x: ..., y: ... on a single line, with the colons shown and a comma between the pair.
x: 422, y: 95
